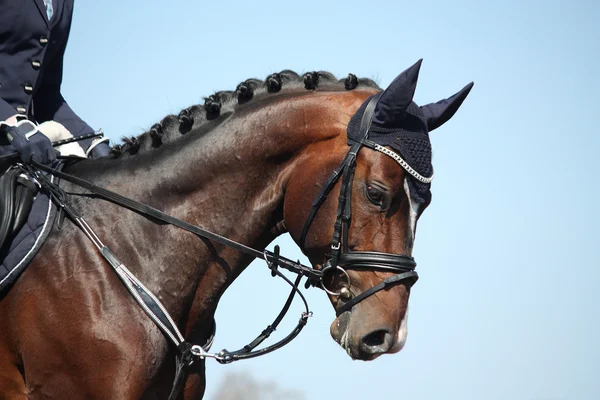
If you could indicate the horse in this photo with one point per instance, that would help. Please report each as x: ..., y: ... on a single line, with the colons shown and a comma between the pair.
x: 249, y: 164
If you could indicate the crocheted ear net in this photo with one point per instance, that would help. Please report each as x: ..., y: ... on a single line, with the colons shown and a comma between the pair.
x: 410, y: 139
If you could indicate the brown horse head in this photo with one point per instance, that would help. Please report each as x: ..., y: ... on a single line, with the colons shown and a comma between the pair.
x: 372, y: 214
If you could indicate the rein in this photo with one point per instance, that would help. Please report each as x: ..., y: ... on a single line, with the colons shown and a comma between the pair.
x: 143, y: 209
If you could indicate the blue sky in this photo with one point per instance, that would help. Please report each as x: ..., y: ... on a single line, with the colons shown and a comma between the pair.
x: 507, y: 306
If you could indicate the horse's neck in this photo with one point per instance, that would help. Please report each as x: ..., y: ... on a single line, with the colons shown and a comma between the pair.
x: 230, y: 181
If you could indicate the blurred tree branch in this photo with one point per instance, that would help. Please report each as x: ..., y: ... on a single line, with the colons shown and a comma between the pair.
x: 243, y: 386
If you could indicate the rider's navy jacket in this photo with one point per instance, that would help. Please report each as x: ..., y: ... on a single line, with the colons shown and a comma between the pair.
x: 31, y: 62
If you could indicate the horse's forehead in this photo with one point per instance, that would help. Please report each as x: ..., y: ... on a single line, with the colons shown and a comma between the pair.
x: 375, y: 165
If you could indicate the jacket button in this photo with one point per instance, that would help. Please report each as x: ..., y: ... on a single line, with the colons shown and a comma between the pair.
x: 36, y: 64
x: 21, y: 110
x: 28, y: 89
x: 43, y: 40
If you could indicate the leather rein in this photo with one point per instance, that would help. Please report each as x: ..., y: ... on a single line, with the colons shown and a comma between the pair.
x: 340, y: 259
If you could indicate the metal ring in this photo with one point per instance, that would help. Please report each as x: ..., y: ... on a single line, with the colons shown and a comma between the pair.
x: 343, y: 271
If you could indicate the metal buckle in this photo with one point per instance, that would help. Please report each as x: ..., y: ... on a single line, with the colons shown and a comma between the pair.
x: 198, y: 351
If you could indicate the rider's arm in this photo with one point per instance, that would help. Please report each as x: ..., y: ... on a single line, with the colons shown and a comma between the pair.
x: 7, y: 117
x: 27, y: 141
x: 50, y: 105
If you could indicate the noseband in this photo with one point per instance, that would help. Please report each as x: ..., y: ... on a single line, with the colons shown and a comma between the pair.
x: 341, y: 257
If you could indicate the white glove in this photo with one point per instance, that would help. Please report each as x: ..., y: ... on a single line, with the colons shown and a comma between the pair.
x: 56, y: 131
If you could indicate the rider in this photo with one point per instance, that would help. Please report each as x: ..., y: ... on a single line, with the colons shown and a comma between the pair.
x: 33, y: 38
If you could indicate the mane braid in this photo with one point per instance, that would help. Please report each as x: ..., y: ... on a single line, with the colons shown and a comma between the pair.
x: 225, y: 101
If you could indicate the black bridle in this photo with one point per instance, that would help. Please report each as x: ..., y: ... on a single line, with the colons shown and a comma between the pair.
x: 341, y: 257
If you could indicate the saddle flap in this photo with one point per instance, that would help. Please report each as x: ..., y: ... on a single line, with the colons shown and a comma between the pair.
x: 25, y: 194
x: 16, y: 198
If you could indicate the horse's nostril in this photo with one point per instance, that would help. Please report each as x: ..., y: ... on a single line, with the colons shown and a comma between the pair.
x: 378, y: 341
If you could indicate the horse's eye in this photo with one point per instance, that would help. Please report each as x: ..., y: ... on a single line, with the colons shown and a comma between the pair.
x: 375, y: 194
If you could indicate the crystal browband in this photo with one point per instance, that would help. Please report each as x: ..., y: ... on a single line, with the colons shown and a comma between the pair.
x: 403, y: 163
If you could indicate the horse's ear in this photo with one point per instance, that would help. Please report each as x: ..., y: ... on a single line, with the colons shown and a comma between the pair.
x: 391, y: 106
x: 438, y: 113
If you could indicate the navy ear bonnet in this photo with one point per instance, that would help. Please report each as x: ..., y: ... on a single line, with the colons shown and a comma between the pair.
x: 400, y: 124
x: 410, y: 140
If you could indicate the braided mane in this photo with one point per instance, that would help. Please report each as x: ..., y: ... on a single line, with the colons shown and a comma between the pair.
x: 223, y: 102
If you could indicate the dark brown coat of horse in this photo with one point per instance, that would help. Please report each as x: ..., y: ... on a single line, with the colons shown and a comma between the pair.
x: 246, y: 165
